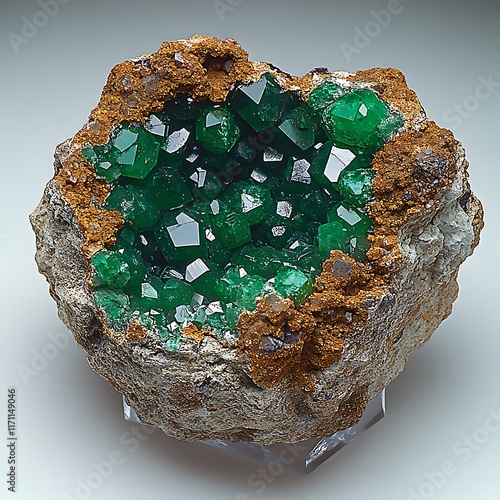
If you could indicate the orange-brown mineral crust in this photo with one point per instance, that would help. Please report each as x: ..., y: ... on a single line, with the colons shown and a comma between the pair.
x: 281, y: 341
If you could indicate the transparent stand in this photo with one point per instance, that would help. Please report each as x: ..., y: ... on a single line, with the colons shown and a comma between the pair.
x: 303, y: 456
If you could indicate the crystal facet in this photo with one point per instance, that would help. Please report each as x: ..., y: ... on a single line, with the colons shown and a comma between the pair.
x: 225, y: 203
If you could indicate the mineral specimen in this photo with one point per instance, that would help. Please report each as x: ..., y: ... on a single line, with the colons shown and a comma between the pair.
x: 248, y: 255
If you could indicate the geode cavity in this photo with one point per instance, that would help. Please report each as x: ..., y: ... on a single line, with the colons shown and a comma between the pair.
x: 249, y: 255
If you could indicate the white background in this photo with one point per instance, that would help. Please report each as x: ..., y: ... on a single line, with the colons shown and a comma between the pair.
x: 69, y: 418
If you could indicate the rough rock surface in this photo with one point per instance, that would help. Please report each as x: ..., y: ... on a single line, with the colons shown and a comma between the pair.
x: 353, y: 335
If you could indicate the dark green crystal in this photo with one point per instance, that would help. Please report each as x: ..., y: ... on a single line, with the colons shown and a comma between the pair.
x: 224, y: 203
x: 261, y: 103
x: 217, y: 129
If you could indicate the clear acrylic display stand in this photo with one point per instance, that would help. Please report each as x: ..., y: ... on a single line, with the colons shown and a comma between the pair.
x: 304, y: 456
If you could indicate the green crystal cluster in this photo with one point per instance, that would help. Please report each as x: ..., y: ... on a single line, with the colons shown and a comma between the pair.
x: 224, y: 203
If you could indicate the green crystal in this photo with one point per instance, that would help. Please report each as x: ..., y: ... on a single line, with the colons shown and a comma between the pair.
x: 345, y: 222
x: 229, y: 282
x: 227, y: 202
x: 175, y: 292
x: 300, y: 127
x: 136, y: 206
x: 355, y: 186
x: 115, y: 303
x: 136, y: 266
x: 245, y: 294
x: 359, y: 119
x: 167, y: 189
x: 355, y: 221
x: 313, y: 204
x: 150, y: 291
x: 110, y: 269
x: 135, y: 150
x: 232, y: 229
x: 293, y: 284
x: 330, y: 161
x: 261, y: 103
x: 181, y: 235
x: 217, y: 129
x: 324, y: 94
x: 202, y: 278
x: 251, y: 200
x: 176, y: 143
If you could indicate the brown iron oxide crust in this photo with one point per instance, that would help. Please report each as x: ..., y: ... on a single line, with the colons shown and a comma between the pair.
x: 279, y: 339
x: 411, y: 169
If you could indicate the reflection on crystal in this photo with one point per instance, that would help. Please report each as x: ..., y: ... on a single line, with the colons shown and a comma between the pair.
x: 199, y: 177
x: 155, y: 126
x: 258, y: 176
x: 198, y: 299
x: 173, y: 326
x: 337, y: 161
x: 194, y: 155
x: 248, y: 202
x: 278, y: 230
x: 177, y: 140
x: 284, y: 208
x: 182, y: 313
x: 213, y: 118
x: 215, y: 207
x: 214, y: 307
x: 271, y: 155
x: 124, y: 139
x: 128, y: 156
x: 255, y: 90
x: 147, y: 290
x: 363, y: 110
x: 185, y: 233
x: 195, y: 270
x: 209, y: 234
x: 350, y: 216
x: 300, y: 172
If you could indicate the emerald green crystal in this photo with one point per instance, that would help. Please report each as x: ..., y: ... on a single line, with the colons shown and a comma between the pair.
x: 203, y: 279
x: 356, y: 222
x: 330, y: 161
x: 110, y: 269
x: 358, y: 119
x: 135, y: 150
x: 355, y: 186
x: 167, y: 189
x: 313, y: 204
x: 324, y: 94
x: 217, y: 129
x: 175, y: 292
x: 227, y: 202
x: 345, y: 222
x: 232, y: 229
x: 293, y: 284
x: 135, y: 204
x: 176, y: 143
x: 261, y: 103
x: 245, y: 294
x: 268, y: 261
x: 300, y: 127
x: 331, y: 236
x: 115, y: 303
x: 180, y: 235
x: 150, y: 291
x: 229, y: 281
x: 251, y: 200
x: 136, y: 266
